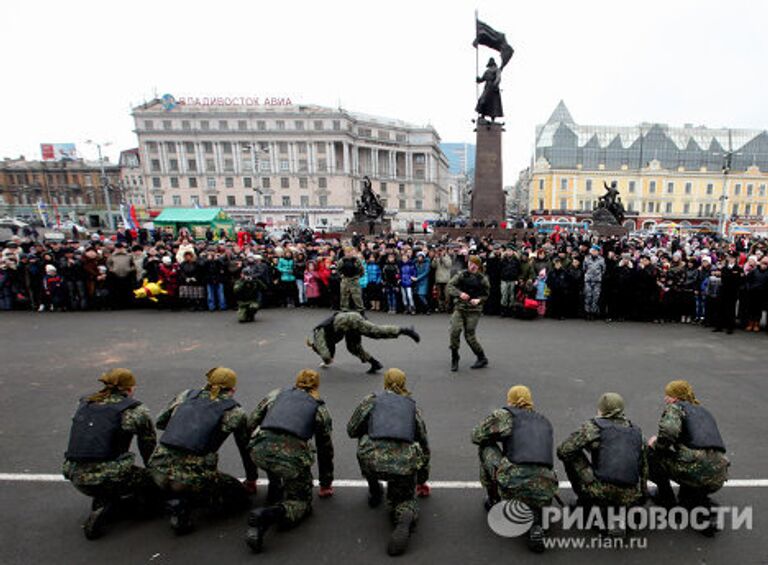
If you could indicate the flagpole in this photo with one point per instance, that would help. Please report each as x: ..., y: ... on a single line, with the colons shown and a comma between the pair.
x: 477, y: 62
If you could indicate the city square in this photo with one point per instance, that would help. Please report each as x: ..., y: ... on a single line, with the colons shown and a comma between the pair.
x: 348, y: 283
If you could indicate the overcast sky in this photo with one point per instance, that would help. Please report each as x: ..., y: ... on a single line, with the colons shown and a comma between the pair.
x: 72, y: 70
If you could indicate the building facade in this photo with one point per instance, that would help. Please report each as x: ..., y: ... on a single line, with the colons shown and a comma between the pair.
x: 71, y: 188
x: 286, y: 164
x: 461, y: 169
x: 668, y: 177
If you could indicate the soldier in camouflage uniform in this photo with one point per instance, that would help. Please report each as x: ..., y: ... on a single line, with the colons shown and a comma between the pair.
x: 283, y: 424
x: 523, y: 469
x: 247, y: 291
x: 98, y: 461
x: 618, y: 470
x: 351, y: 269
x: 392, y: 446
x: 185, y: 462
x: 688, y: 449
x: 350, y: 326
x: 470, y: 289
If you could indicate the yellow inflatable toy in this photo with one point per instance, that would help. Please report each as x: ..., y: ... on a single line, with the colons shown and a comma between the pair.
x: 149, y: 290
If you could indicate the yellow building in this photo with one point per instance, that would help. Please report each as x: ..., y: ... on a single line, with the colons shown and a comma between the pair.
x: 667, y: 176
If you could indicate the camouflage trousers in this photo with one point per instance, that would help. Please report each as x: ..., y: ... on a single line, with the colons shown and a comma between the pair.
x: 700, y: 471
x: 296, y: 491
x: 535, y: 485
x: 592, y: 290
x: 246, y: 311
x: 590, y: 489
x: 218, y: 491
x: 401, y: 492
x: 467, y: 321
x: 134, y: 481
x: 355, y: 327
x: 351, y: 292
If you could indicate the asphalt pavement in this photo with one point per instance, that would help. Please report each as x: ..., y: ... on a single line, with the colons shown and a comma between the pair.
x: 50, y: 360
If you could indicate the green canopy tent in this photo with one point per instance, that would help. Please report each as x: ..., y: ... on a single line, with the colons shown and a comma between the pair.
x: 196, y: 220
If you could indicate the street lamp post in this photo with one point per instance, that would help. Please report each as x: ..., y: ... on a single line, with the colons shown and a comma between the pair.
x: 259, y: 193
x: 104, y: 183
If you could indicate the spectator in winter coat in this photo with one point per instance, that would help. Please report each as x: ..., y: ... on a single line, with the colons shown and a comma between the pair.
x: 407, y: 279
x: 421, y: 284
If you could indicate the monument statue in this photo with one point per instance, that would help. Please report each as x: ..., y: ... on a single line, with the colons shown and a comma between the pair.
x: 489, y: 103
x: 369, y: 207
x: 610, y: 210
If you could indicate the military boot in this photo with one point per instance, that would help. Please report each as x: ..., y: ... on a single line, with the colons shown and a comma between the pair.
x: 455, y: 360
x: 93, y: 528
x: 181, y: 516
x: 481, y: 362
x: 411, y: 332
x: 536, y: 534
x: 375, y: 366
x: 398, y: 540
x: 375, y: 494
x: 259, y: 521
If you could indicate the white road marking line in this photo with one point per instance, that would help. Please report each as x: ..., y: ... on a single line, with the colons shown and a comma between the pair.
x: 347, y: 483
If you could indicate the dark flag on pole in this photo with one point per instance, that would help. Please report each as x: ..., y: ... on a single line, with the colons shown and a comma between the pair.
x: 486, y: 35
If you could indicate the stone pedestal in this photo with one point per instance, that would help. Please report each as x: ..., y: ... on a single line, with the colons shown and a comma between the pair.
x: 376, y: 227
x: 488, y: 190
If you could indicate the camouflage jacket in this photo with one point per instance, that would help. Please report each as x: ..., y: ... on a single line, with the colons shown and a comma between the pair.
x: 359, y: 269
x: 587, y: 438
x: 459, y: 283
x: 494, y: 429
x: 696, y: 467
x: 137, y: 421
x: 389, y: 456
x: 188, y: 468
x: 288, y: 452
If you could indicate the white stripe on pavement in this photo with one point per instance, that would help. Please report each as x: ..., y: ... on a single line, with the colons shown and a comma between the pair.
x: 347, y: 483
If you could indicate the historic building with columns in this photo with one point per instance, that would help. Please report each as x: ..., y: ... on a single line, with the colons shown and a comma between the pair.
x: 285, y: 163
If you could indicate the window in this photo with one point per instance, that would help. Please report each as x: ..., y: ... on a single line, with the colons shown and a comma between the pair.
x: 211, y: 182
x: 229, y: 165
x: 688, y: 188
x: 541, y: 184
x: 264, y: 182
x: 303, y: 182
x: 191, y: 164
x: 189, y: 147
x: 401, y: 189
x: 762, y: 190
x: 155, y: 165
x: 185, y: 125
x: 192, y: 182
x: 303, y: 166
x: 284, y: 165
x: 267, y: 200
x: 301, y: 148
x: 541, y: 204
x: 563, y: 203
x: 318, y: 125
x: 759, y: 211
x: 229, y: 182
x: 322, y: 165
x: 158, y: 199
x: 167, y: 124
x: 223, y: 124
x: 174, y: 164
x: 148, y: 124
x: 670, y: 188
x: 176, y: 200
x: 588, y: 186
x: 286, y: 200
x: 401, y: 204
x: 174, y: 182
x: 282, y: 147
x: 668, y: 208
x: 280, y: 125
x: 213, y: 200
x: 747, y: 209
x: 155, y: 182
x: 298, y: 125
x: 336, y: 125
x: 320, y: 147
x: 205, y: 125
x: 322, y: 182
x: 710, y: 189
x: 417, y: 204
x: 323, y: 200
x: 226, y: 147
x: 687, y: 208
x: 208, y: 146
x: 261, y: 125
x: 265, y: 167
x: 383, y: 188
x: 632, y: 187
x: 194, y: 200
x: 170, y: 147
x: 652, y: 187
x: 247, y: 182
x: 249, y: 200
x: 231, y: 201
x: 737, y: 189
x: 242, y: 125
x: 304, y: 201
x: 284, y: 182
x: 563, y: 184
x: 210, y: 165
x: 750, y: 189
x: 735, y: 210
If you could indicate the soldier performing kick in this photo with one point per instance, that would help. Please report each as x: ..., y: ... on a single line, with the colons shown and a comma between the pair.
x: 471, y: 289
x: 351, y: 326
